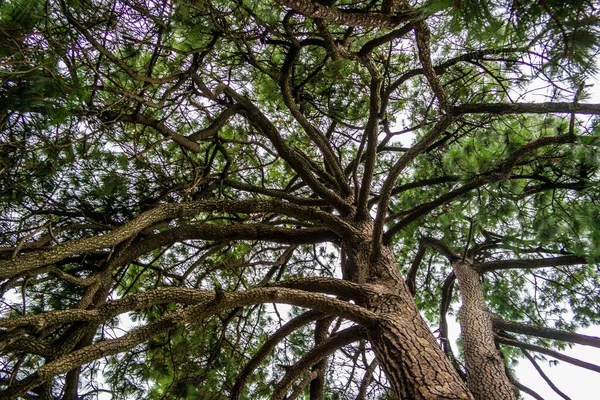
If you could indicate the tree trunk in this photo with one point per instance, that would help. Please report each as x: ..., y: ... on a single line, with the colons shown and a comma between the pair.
x: 487, y: 376
x: 409, y: 354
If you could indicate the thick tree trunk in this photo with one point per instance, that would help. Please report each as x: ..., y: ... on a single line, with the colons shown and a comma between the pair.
x: 414, y: 363
x: 487, y: 376
x: 409, y: 354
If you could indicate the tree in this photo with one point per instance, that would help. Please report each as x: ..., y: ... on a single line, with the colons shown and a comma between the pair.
x: 194, y: 165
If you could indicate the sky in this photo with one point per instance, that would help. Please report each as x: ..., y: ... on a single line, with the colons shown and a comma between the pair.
x: 577, y: 383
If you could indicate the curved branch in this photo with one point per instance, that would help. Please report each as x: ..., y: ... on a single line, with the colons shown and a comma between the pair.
x: 195, y: 297
x: 334, y: 286
x: 31, y: 260
x: 313, y: 9
x: 267, y: 347
x: 319, y: 352
x: 206, y: 307
x: 210, y: 131
x: 225, y: 233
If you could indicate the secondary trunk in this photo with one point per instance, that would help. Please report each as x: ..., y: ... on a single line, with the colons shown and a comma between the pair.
x: 404, y: 346
x: 487, y: 376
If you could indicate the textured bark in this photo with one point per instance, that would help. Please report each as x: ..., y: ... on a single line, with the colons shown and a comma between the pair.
x: 542, y: 331
x: 487, y: 378
x: 267, y: 347
x: 404, y: 346
x: 527, y: 108
x: 23, y: 263
x: 315, y: 10
x: 317, y: 384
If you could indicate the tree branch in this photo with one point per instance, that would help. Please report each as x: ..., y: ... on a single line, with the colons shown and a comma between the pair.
x: 536, y: 263
x: 551, y: 353
x: 313, y: 9
x: 527, y: 108
x: 319, y: 352
x: 267, y: 347
x: 500, y: 324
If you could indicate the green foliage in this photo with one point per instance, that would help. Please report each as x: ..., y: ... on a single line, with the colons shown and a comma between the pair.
x: 98, y: 98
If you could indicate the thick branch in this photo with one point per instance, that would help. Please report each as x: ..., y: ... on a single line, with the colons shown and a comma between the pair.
x: 537, y: 263
x: 313, y: 9
x: 31, y: 260
x: 527, y: 108
x: 192, y: 314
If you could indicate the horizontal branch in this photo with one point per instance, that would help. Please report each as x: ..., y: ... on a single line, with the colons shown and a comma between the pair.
x: 224, y: 234
x: 20, y: 264
x: 527, y: 108
x: 209, y: 304
x: 548, y: 352
x: 338, y: 287
x: 313, y: 9
x: 500, y: 323
x: 189, y: 296
x: 538, y: 263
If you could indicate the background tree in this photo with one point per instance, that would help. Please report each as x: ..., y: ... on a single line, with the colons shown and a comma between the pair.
x: 172, y: 172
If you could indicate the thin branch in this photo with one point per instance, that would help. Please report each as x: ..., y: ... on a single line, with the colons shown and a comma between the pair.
x: 501, y: 324
x: 544, y: 376
x: 397, y: 169
x: 548, y: 352
x: 319, y: 352
x: 38, y: 258
x: 527, y: 390
x: 267, y: 348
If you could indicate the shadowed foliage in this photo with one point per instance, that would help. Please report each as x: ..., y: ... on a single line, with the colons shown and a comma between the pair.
x: 291, y: 199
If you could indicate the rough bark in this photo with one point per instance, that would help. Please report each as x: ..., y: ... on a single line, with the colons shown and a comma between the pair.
x: 405, y: 348
x: 487, y: 378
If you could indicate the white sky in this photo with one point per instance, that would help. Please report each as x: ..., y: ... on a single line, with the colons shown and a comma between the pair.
x: 577, y: 383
